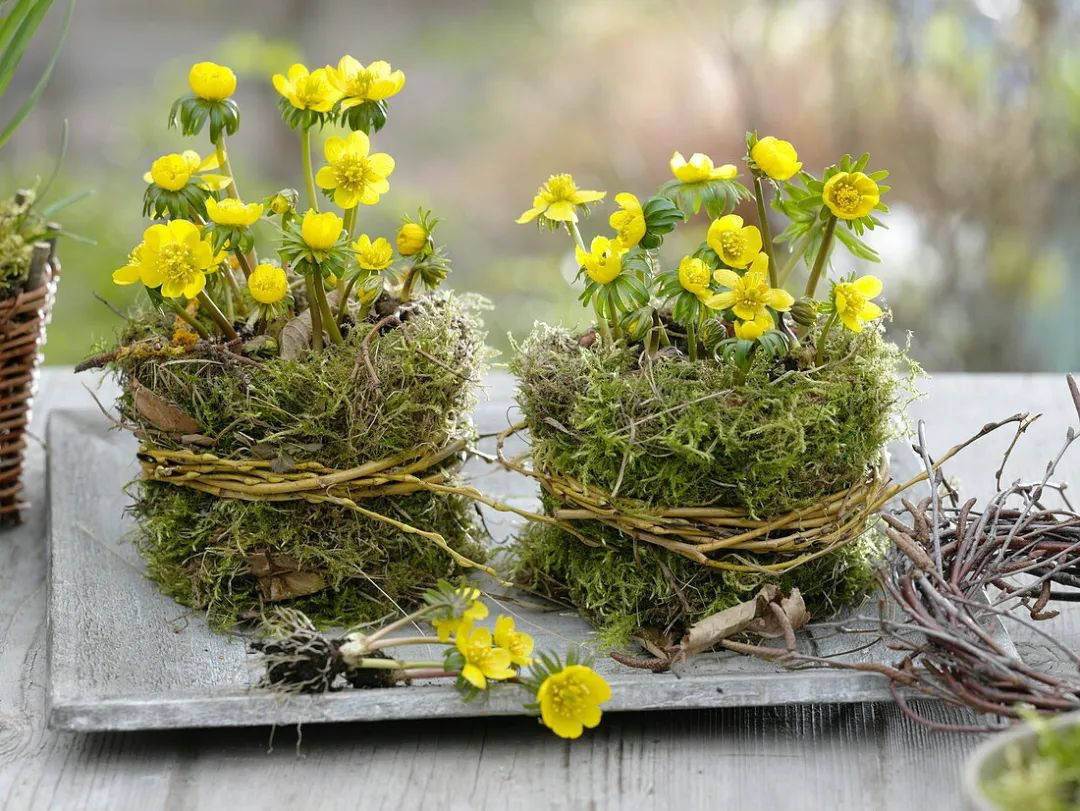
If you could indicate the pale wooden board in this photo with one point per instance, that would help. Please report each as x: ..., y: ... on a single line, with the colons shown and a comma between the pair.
x: 840, y: 757
x: 104, y: 615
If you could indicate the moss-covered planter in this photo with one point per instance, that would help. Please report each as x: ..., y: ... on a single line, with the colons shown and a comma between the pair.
x: 669, y: 432
x: 234, y: 557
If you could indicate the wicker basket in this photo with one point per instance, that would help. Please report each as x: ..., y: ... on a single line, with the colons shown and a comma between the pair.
x: 23, y: 319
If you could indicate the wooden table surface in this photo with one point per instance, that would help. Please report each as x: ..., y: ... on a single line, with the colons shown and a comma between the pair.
x: 865, y: 756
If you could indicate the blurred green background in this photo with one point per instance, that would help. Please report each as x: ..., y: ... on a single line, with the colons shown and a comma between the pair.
x: 974, y: 105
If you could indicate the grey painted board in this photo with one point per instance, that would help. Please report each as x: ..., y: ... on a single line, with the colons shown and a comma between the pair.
x: 847, y: 757
x: 106, y: 617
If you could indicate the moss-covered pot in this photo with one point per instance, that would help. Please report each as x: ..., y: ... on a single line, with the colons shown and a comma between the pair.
x: 676, y: 433
x: 233, y: 557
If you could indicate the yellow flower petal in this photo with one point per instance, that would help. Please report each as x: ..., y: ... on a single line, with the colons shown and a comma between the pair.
x: 869, y: 286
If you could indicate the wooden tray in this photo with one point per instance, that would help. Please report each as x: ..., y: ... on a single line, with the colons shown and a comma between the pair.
x: 123, y: 656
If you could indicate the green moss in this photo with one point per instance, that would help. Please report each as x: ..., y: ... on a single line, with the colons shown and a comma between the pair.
x: 20, y: 227
x: 670, y: 432
x: 325, y: 408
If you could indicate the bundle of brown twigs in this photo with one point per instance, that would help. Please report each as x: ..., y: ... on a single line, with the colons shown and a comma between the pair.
x: 958, y: 572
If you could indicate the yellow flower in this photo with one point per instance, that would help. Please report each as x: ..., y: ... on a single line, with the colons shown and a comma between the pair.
x: 629, y: 222
x: 700, y: 168
x: 173, y: 171
x: 519, y: 645
x: 321, y: 231
x: 373, y: 255
x: 853, y: 305
x: 411, y: 238
x: 353, y: 174
x: 132, y: 271
x: 307, y: 91
x: 733, y: 242
x: 604, y: 260
x: 268, y: 284
x: 570, y: 700
x: 482, y: 661
x: 750, y: 293
x: 775, y: 158
x: 175, y: 256
x: 447, y: 628
x: 694, y: 276
x: 558, y: 199
x: 232, y: 212
x: 211, y: 81
x: 359, y: 84
x: 850, y: 195
x: 752, y: 330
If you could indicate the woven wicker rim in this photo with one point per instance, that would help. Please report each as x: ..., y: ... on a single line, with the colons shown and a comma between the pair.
x: 727, y: 539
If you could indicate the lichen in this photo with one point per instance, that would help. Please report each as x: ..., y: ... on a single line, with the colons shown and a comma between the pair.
x: 670, y: 432
x: 327, y: 408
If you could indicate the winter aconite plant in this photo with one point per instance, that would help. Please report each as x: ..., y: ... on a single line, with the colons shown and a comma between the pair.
x: 722, y: 425
x: 566, y: 693
x: 302, y: 390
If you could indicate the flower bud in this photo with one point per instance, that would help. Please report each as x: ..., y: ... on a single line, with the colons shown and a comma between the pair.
x: 411, y: 239
x: 804, y: 312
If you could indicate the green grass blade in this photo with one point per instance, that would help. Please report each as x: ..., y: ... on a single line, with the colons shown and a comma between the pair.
x: 32, y: 100
x: 20, y: 41
x: 56, y: 167
x: 64, y: 202
x: 12, y: 19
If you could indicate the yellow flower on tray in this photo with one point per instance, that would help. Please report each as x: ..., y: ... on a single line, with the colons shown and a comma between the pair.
x: 482, y: 660
x: 778, y: 159
x: 233, y: 212
x: 603, y: 262
x: 629, y: 220
x: 735, y: 243
x: 211, y: 81
x: 852, y: 300
x: 307, y: 90
x: 700, y: 168
x: 518, y: 644
x: 173, y: 171
x: 750, y: 296
x: 411, y: 238
x: 175, y: 257
x: 375, y: 255
x: 358, y: 84
x: 321, y: 231
x: 450, y: 626
x: 570, y: 700
x: 558, y: 200
x: 355, y: 175
x: 694, y: 276
x: 268, y: 284
x: 850, y: 195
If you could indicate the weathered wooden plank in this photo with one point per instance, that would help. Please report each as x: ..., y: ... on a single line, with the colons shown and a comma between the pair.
x: 809, y: 757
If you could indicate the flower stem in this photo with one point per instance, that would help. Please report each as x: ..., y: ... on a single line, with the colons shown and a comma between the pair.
x: 223, y: 164
x: 245, y: 263
x: 392, y: 664
x: 238, y: 296
x: 187, y: 317
x: 217, y: 316
x: 407, y: 286
x: 399, y: 623
x: 398, y: 641
x: 796, y: 255
x: 819, y: 355
x: 329, y: 322
x: 309, y: 175
x: 313, y: 283
x: 691, y: 340
x: 766, y: 232
x: 822, y: 256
